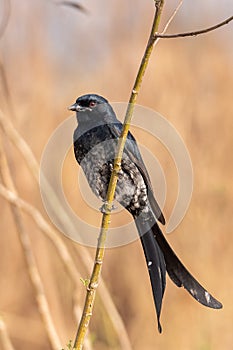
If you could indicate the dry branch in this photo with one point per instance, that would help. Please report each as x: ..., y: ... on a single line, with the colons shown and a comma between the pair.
x: 36, y: 281
x: 4, y: 337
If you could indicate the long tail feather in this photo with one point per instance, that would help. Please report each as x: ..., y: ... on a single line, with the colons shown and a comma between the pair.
x: 156, y: 266
x: 180, y: 275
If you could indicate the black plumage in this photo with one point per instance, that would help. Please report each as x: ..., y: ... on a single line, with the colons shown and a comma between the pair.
x: 95, y: 141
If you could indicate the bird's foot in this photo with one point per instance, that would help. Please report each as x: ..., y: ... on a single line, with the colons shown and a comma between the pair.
x: 105, y: 208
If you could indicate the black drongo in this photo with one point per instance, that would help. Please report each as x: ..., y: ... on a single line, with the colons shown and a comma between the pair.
x: 95, y: 141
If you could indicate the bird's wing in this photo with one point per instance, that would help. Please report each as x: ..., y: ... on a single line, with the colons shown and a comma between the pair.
x: 132, y: 151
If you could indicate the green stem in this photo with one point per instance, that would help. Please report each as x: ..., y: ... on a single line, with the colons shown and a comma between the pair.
x: 94, y: 280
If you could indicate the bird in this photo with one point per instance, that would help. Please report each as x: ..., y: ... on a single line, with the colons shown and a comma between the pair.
x: 95, y: 142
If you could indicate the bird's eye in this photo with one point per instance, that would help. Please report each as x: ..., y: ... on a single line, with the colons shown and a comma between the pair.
x: 92, y: 104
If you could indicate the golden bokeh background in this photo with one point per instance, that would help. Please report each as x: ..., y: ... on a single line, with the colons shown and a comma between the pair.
x: 51, y: 54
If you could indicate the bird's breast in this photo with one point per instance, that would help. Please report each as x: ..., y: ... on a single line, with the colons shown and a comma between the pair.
x: 96, y: 156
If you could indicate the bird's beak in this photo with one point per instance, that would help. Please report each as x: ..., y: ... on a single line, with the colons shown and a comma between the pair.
x: 74, y: 107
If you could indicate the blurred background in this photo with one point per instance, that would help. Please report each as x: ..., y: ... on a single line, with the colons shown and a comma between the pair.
x: 50, y: 55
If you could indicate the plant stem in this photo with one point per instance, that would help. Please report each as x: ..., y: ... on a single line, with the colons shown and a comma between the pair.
x: 196, y: 32
x: 94, y: 280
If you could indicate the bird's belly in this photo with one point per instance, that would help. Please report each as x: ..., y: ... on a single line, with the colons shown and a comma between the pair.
x: 131, y: 191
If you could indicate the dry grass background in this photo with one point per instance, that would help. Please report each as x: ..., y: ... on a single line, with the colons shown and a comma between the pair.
x: 52, y: 55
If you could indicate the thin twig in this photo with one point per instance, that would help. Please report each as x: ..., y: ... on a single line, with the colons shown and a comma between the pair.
x: 29, y: 258
x: 45, y: 227
x: 4, y: 337
x: 170, y: 20
x: 194, y: 33
x: 33, y: 166
x: 20, y: 144
x: 173, y: 15
x: 5, y: 89
x: 94, y: 280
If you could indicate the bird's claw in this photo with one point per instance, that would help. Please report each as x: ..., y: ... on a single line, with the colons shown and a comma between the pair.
x: 105, y: 208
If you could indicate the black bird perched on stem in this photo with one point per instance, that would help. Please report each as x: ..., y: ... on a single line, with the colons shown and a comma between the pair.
x: 95, y: 142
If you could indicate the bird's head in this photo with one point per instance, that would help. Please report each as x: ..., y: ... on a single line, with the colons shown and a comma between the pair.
x: 92, y: 108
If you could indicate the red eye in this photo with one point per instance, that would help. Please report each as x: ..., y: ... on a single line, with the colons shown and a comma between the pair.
x: 92, y: 104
